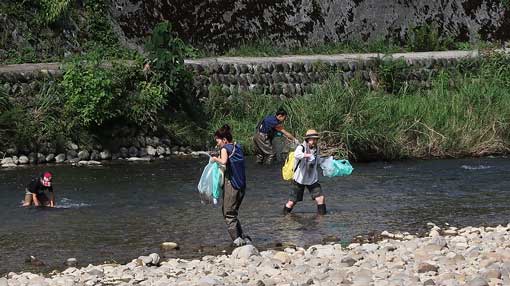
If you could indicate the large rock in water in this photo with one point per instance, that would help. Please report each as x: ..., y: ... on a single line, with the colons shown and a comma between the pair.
x: 124, y: 152
x: 151, y: 151
x: 60, y: 158
x: 133, y: 151
x: 32, y: 158
x: 50, y: 158
x: 94, y: 156
x: 160, y: 150
x: 7, y: 160
x: 71, y: 154
x: 72, y: 146
x: 41, y: 158
x: 169, y: 246
x: 23, y: 159
x: 71, y: 262
x: 105, y: 155
x: 83, y: 155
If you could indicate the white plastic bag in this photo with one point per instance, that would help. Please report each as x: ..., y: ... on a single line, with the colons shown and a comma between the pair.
x: 210, y: 183
x: 335, y: 168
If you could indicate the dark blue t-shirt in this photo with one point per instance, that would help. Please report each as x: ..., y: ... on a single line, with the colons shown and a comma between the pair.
x: 269, y: 124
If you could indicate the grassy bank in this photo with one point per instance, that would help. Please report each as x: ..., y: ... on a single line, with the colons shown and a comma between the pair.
x: 268, y: 49
x: 463, y: 112
x: 422, y: 38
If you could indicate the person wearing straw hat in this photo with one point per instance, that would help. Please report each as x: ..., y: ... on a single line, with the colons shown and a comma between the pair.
x: 306, y: 175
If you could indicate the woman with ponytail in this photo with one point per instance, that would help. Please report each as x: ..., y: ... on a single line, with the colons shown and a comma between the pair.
x: 232, y: 157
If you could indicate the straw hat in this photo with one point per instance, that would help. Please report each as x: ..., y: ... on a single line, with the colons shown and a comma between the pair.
x: 312, y: 133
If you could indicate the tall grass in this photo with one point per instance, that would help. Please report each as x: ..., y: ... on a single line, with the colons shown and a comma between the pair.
x: 458, y: 115
x: 265, y: 48
x: 418, y: 39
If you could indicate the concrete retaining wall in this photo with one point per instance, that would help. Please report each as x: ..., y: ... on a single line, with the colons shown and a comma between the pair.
x: 221, y: 25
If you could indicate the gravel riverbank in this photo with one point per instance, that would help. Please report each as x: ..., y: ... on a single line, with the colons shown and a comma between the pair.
x: 473, y: 256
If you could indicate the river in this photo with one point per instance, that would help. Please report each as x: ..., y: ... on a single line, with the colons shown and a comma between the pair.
x: 120, y: 211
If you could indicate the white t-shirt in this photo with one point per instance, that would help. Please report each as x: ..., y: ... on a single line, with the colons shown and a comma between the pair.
x: 306, y: 171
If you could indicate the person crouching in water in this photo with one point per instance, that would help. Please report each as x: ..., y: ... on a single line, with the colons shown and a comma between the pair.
x: 305, y: 175
x: 265, y: 132
x: 234, y: 186
x: 35, y: 191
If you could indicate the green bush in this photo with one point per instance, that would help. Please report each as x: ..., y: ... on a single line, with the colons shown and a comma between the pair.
x: 99, y: 92
x: 91, y: 98
x: 53, y: 9
x: 145, y: 105
x: 166, y: 54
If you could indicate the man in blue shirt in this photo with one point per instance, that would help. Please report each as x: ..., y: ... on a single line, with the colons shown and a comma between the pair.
x: 265, y: 133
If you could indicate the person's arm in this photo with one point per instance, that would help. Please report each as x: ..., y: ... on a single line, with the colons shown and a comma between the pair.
x: 223, y: 157
x: 299, y: 153
x: 32, y: 188
x: 288, y: 135
x: 52, y: 199
x: 36, y: 200
x: 311, y: 158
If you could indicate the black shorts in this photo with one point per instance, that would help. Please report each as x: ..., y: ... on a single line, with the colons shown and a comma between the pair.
x: 296, y: 193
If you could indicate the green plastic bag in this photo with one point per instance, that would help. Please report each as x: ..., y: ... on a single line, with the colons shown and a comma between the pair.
x: 210, y: 184
x: 336, y: 168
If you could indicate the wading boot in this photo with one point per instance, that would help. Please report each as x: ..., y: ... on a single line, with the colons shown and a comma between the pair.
x: 247, y: 240
x: 239, y: 242
x: 321, y: 209
x: 286, y: 210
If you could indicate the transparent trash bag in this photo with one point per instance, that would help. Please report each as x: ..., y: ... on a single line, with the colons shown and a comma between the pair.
x: 335, y: 168
x: 210, y: 184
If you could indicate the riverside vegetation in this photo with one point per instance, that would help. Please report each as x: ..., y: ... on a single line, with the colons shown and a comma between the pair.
x: 459, y: 111
x: 99, y: 97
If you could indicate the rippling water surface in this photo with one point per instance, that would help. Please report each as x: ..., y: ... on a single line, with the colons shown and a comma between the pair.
x: 121, y: 211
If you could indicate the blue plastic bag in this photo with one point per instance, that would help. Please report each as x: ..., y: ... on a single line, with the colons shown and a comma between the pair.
x: 210, y: 184
x: 336, y: 168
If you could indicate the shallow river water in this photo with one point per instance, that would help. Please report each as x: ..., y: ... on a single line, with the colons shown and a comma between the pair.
x: 120, y: 211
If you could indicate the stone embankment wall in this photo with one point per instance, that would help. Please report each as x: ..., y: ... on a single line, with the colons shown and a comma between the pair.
x: 280, y: 76
x: 288, y: 76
